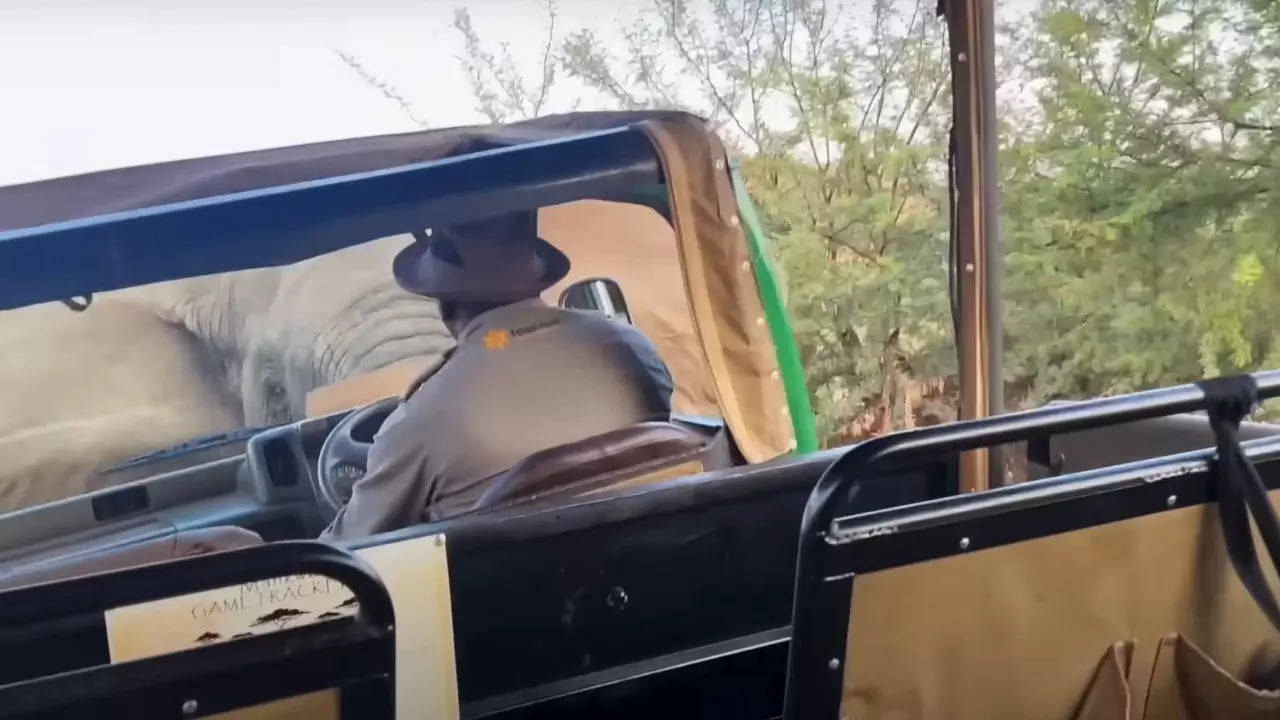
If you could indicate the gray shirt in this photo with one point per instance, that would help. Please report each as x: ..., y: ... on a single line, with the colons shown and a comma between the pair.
x: 524, y: 377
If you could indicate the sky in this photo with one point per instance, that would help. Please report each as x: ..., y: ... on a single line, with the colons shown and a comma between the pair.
x: 95, y: 84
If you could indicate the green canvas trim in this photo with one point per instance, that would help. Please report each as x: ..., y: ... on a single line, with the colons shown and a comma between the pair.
x: 775, y: 312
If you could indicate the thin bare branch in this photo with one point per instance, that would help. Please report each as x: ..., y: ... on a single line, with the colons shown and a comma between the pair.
x: 388, y: 91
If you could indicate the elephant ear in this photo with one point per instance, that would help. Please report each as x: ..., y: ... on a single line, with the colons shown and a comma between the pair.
x: 426, y: 373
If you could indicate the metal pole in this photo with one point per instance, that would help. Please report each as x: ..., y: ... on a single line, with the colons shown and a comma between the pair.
x: 978, y: 251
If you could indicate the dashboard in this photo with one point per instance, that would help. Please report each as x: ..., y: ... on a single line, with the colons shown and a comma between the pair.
x: 282, y: 460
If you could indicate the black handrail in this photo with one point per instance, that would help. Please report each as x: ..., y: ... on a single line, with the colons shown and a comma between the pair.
x: 106, y: 590
x: 356, y: 655
x: 875, y: 459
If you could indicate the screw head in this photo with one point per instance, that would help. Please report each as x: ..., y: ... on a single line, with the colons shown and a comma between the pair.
x: 964, y: 543
x: 190, y: 707
x: 1171, y: 501
x: 833, y: 664
x: 617, y: 598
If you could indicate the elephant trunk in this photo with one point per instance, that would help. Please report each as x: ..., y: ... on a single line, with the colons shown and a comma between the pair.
x: 365, y: 328
x: 382, y: 327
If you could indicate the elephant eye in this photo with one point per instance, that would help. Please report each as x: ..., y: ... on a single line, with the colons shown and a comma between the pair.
x: 276, y: 402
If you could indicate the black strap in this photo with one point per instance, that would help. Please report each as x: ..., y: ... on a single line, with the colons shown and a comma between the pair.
x: 1241, y: 493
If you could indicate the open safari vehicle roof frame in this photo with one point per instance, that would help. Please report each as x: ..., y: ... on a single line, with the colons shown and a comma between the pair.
x: 70, y: 237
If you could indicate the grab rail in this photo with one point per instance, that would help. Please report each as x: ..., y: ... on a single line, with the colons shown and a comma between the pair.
x: 355, y: 655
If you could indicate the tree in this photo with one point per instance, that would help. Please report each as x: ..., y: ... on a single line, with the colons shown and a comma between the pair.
x: 1139, y: 204
x: 502, y: 91
x: 1138, y: 160
x: 841, y: 134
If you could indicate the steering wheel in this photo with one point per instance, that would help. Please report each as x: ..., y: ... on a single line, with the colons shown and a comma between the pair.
x: 344, y: 456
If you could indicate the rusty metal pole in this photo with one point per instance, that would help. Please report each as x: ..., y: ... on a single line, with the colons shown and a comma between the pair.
x: 976, y: 227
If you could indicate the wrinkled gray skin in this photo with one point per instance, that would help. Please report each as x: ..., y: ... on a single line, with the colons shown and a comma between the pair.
x: 279, y: 333
x: 148, y: 368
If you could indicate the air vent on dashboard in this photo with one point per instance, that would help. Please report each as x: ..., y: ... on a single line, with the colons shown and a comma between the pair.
x: 282, y: 464
x: 119, y: 503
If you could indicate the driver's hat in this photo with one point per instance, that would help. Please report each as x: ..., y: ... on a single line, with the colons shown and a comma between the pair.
x: 498, y: 259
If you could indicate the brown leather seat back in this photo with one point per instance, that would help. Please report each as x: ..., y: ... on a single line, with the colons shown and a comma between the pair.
x: 620, y: 458
x: 178, y: 544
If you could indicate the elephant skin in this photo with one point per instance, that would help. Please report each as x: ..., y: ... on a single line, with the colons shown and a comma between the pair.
x: 85, y: 390
x: 148, y: 368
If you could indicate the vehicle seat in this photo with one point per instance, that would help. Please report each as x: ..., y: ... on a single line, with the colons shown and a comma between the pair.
x: 637, y: 455
x: 182, y: 543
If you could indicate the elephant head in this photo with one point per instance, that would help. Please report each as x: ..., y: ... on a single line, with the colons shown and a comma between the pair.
x: 278, y: 333
x: 331, y: 318
x: 147, y: 368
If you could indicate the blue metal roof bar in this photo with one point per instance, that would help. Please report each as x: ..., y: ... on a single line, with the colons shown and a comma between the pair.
x: 288, y: 223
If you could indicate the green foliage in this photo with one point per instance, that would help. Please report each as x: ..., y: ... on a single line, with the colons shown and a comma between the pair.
x: 841, y: 122
x: 1139, y: 218
x: 1138, y: 169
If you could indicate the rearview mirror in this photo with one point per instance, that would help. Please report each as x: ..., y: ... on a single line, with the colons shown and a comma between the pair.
x: 599, y: 295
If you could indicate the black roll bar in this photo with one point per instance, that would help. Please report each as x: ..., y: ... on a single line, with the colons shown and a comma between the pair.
x: 823, y: 532
x: 355, y: 655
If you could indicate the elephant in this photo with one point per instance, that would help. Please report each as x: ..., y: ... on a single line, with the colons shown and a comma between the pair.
x: 278, y: 333
x: 147, y: 368
x: 87, y: 389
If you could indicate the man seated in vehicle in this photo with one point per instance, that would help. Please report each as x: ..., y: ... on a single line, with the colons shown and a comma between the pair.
x: 523, y: 377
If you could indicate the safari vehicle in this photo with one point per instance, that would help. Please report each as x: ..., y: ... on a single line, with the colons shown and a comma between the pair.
x: 561, y: 596
x: 851, y: 583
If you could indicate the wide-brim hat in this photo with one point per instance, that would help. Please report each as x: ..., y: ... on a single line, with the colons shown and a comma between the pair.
x: 498, y: 259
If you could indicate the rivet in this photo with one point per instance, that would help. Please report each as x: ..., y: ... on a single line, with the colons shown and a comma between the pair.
x: 746, y: 266
x: 773, y: 375
x: 439, y: 540
x: 734, y: 221
x: 964, y: 543
x: 190, y: 707
x: 833, y: 664
x: 1171, y: 501
x: 760, y: 322
x: 961, y: 57
x: 719, y: 164
x: 968, y: 267
x: 617, y: 598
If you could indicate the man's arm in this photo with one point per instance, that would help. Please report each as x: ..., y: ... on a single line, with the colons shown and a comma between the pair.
x: 393, y: 492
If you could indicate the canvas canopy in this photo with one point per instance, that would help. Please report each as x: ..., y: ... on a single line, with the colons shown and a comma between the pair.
x: 689, y: 279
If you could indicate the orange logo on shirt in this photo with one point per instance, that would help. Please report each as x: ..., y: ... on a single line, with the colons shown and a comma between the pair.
x: 497, y: 340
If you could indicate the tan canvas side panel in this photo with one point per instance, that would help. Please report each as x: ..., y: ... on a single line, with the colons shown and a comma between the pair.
x: 634, y: 246
x: 722, y: 291
x: 1018, y: 631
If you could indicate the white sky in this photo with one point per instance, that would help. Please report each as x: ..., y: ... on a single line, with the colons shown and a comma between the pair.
x: 93, y: 84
